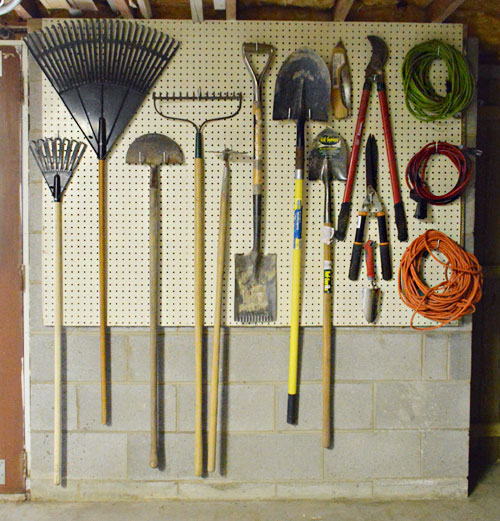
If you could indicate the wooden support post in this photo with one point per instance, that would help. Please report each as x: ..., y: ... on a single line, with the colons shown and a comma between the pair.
x: 440, y: 10
x: 145, y: 8
x: 341, y: 10
x: 196, y: 10
x: 27, y: 9
x: 231, y: 9
x: 124, y: 8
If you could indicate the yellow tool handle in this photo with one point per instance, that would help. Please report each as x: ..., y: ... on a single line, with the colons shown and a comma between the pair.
x: 214, y: 384
x: 154, y: 237
x: 339, y: 109
x: 327, y: 342
x: 58, y: 311
x: 198, y: 313
x: 295, y: 308
x: 102, y: 289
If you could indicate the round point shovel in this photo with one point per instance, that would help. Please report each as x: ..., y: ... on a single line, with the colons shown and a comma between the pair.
x: 154, y: 150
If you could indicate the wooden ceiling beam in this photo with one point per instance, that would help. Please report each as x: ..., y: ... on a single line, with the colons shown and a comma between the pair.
x: 27, y: 9
x: 341, y: 10
x: 440, y: 10
x: 196, y: 10
x: 123, y: 8
x: 145, y: 8
x: 231, y: 9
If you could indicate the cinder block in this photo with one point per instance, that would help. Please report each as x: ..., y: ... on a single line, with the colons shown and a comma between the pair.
x: 178, y: 450
x: 83, y: 357
x: 241, y: 408
x: 460, y: 356
x: 35, y: 203
x: 436, y: 356
x: 42, y: 407
x: 44, y: 490
x: 85, y: 455
x: 377, y: 356
x: 35, y: 311
x: 420, y: 488
x: 311, y: 354
x: 325, y: 490
x: 373, y: 454
x: 421, y: 405
x: 256, y: 356
x: 445, y: 454
x: 274, y: 456
x: 352, y: 406
x: 42, y: 357
x: 35, y: 258
x: 130, y: 406
x: 177, y: 349
x: 127, y: 490
x: 226, y: 491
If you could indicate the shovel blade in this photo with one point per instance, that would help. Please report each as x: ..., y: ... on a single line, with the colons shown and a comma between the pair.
x: 255, y: 288
x: 302, y: 90
x: 154, y: 150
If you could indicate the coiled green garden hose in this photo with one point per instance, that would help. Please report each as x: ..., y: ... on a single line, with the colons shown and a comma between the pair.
x: 422, y: 100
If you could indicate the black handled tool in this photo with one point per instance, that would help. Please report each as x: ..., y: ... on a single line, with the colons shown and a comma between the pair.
x: 371, y: 201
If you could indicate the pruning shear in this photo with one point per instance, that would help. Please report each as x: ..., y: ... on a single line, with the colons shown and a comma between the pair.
x: 371, y: 203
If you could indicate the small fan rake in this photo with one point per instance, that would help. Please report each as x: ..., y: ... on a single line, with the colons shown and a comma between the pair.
x: 57, y: 159
x: 102, y: 70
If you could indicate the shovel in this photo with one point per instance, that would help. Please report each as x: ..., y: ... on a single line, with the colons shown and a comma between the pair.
x: 327, y: 161
x: 154, y: 150
x: 255, y: 273
x: 302, y: 93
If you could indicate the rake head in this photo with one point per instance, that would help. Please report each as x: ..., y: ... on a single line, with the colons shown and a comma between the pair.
x: 57, y: 158
x: 102, y: 70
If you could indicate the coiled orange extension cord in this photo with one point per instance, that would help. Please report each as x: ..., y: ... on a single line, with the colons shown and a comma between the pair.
x: 451, y: 299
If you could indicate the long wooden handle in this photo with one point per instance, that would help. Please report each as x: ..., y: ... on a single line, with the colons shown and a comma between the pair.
x: 214, y: 384
x: 327, y: 341
x: 58, y: 311
x: 198, y: 313
x: 154, y: 236
x: 102, y: 289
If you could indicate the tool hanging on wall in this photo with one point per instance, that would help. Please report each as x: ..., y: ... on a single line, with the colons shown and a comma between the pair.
x: 416, y: 173
x: 374, y: 74
x: 449, y: 300
x: 102, y: 70
x: 302, y: 93
x: 221, y: 256
x: 370, y: 296
x: 255, y: 286
x: 341, y: 82
x: 198, y: 242
x: 327, y: 161
x: 371, y: 201
x: 154, y: 150
x: 422, y: 100
x: 57, y: 160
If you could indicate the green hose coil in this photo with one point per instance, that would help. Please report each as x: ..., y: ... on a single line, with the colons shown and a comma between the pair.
x: 422, y: 100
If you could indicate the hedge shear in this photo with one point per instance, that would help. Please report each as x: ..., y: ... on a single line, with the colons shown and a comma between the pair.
x: 374, y: 74
x: 371, y: 203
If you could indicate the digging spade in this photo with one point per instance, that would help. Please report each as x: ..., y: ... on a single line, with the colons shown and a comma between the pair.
x: 302, y: 93
x: 154, y: 150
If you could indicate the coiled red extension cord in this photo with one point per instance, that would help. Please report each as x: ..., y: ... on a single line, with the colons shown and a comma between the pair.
x: 416, y: 170
x: 449, y: 300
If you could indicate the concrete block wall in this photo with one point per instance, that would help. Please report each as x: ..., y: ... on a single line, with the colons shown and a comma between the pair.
x: 401, y: 407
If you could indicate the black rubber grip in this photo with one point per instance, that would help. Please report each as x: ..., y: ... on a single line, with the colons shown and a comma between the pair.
x: 399, y: 212
x: 257, y: 216
x: 420, y: 210
x: 342, y: 221
x: 385, y: 259
x: 355, y: 261
x: 291, y: 412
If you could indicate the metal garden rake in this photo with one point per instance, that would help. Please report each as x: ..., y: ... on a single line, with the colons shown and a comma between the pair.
x: 57, y: 159
x: 102, y: 70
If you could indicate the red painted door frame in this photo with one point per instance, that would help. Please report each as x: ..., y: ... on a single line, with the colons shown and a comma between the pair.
x: 11, y: 259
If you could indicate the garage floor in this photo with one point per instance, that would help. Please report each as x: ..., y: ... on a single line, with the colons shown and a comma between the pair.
x: 482, y: 505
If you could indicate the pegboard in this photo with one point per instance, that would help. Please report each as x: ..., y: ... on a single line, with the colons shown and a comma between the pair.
x: 210, y: 58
